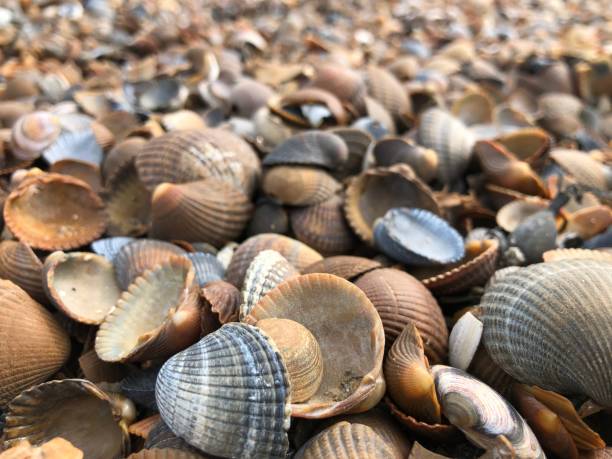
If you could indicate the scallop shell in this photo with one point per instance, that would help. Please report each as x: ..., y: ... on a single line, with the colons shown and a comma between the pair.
x: 393, y: 150
x: 386, y: 89
x: 267, y: 270
x: 128, y: 204
x: 450, y: 139
x: 32, y: 133
x: 67, y: 407
x: 54, y: 212
x: 157, y: 316
x: 401, y: 299
x: 110, y: 246
x: 344, y: 266
x: 572, y: 254
x: 207, y: 267
x: 536, y: 235
x: 35, y: 346
x: 208, y: 210
x: 315, y: 301
x: 80, y: 145
x: 586, y: 170
x: 238, y: 406
x: 482, y: 414
x: 510, y: 216
x: 417, y: 237
x: 565, y: 346
x: 220, y: 305
x: 19, y: 264
x: 164, y: 453
x: 299, y: 185
x: 370, y: 195
x: 528, y: 144
x: 57, y: 448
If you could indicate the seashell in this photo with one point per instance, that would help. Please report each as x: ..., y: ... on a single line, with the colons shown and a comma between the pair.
x: 342, y: 82
x: 207, y: 267
x: 20, y: 265
x: 12, y: 110
x: 409, y: 382
x: 300, y: 353
x: 54, y: 212
x: 575, y: 294
x: 405, y: 67
x: 401, y: 299
x: 164, y: 453
x: 572, y: 254
x: 482, y: 414
x: 110, y: 246
x: 269, y: 216
x: 66, y: 406
x: 378, y: 121
x: 323, y: 227
x: 463, y: 341
x: 417, y: 237
x: 139, y: 386
x: 157, y: 316
x: 357, y: 142
x: 84, y: 171
x: 386, y: 89
x: 344, y: 266
x: 311, y: 148
x: 185, y: 156
x: 394, y: 150
x: 220, y: 305
x: 182, y: 120
x: 81, y: 284
x: 157, y: 95
x: 95, y: 103
x: 239, y: 410
x: 528, y: 144
x: 271, y: 128
x: 348, y: 378
x: 560, y: 113
x: 81, y: 146
x: 128, y: 204
x: 535, y: 235
x: 248, y: 96
x: 346, y: 441
x: 208, y: 210
x: 299, y: 185
x: 474, y: 107
x: 589, y: 221
x: 450, y: 139
x: 98, y: 371
x: 57, y: 448
x: 310, y: 108
x: 510, y: 216
x: 32, y: 133
x: 162, y: 437
x: 120, y: 123
x: 586, y: 170
x: 120, y: 157
x: 267, y: 270
x: 487, y: 371
x: 368, y: 197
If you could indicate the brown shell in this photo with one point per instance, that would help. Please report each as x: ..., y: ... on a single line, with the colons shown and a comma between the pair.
x: 582, y: 167
x: 510, y: 216
x: 400, y: 299
x: 299, y: 185
x: 487, y: 371
x: 96, y: 370
x: 165, y: 453
x: 19, y: 264
x: 345, y: 266
x: 121, y: 156
x: 308, y: 96
x: 128, y: 204
x: 55, y: 212
x: 182, y: 119
x: 418, y: 451
x: 57, y: 448
x: 143, y: 427
x: 357, y: 141
x: 32, y: 133
x: 474, y: 107
x: 344, y: 83
x: 528, y: 144
x: 370, y: 195
x: 220, y: 305
x: 393, y: 150
x: 564, y: 254
x: 386, y: 89
x: 208, y: 210
x: 446, y: 433
x: 82, y: 170
x: 120, y: 123
x: 248, y: 96
x: 589, y: 221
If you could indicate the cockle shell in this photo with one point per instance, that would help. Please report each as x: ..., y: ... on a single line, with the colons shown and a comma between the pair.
x: 571, y: 254
x: 110, y: 246
x: 228, y: 394
x: 311, y: 148
x: 342, y: 82
x: 344, y: 266
x: 269, y: 216
x: 474, y: 107
x: 565, y: 345
x: 161, y: 436
x: 357, y: 141
x: 80, y: 145
x: 19, y: 264
x: 510, y: 216
x: 528, y: 144
x: 32, y: 133
x: 82, y: 170
x: 586, y: 170
x: 206, y: 266
x: 122, y: 155
x: 299, y: 185
x: 536, y: 235
x: 248, y: 96
x: 386, y: 89
x: 139, y: 386
x: 293, y: 107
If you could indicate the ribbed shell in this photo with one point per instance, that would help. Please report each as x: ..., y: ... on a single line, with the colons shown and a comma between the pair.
x: 164, y: 453
x: 299, y: 185
x: 220, y: 304
x: 19, y: 264
x: 162, y: 437
x: 287, y: 106
x: 343, y: 82
x: 110, y: 246
x: 345, y: 266
x: 228, y: 394
x: 400, y: 299
x: 82, y: 170
x: 323, y: 227
x: 510, y: 216
x: 208, y: 210
x: 121, y: 156
x: 549, y: 325
x: 345, y: 441
x: 393, y: 150
x: 268, y: 269
x: 128, y: 204
x: 573, y: 254
x: 386, y: 89
x: 34, y: 346
x: 311, y: 148
x: 296, y: 253
x: 269, y: 216
x: 527, y: 144
x: 582, y: 167
x: 207, y: 267
x: 450, y: 139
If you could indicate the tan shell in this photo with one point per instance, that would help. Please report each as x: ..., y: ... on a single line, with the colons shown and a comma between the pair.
x: 19, y: 264
x: 445, y: 433
x: 182, y: 120
x: 474, y: 107
x: 220, y: 305
x: 96, y: 370
x: 82, y: 170
x: 370, y: 195
x: 121, y: 156
x: 315, y: 300
x: 400, y: 299
x: 528, y: 144
x: 165, y: 453
x: 342, y: 82
x: 208, y: 210
x: 34, y: 345
x: 128, y: 204
x: 156, y: 317
x: 345, y: 266
x: 57, y: 448
x: 81, y: 284
x: 393, y: 150
x: 299, y: 185
x: 586, y: 170
x: 32, y: 133
x: 420, y: 452
x: 510, y: 216
x: 386, y: 89
x: 589, y: 221
x: 307, y: 96
x: 67, y: 406
x: 143, y: 427
x: 569, y: 254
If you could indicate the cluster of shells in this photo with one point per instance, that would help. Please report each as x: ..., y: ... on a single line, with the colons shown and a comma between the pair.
x: 274, y: 229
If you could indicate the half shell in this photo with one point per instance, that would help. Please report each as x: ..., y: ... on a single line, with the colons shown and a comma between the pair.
x: 312, y: 148
x: 220, y: 305
x: 32, y: 133
x: 19, y: 264
x: 386, y: 89
x: 394, y: 150
x: 299, y: 185
x: 582, y: 167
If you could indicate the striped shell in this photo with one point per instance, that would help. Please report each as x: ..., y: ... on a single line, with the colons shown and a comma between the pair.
x: 344, y: 266
x: 572, y: 254
x: 19, y: 264
x: 565, y: 343
x: 527, y: 144
x: 161, y: 436
x: 110, y: 246
x: 121, y: 156
x: 164, y: 453
x: 357, y: 142
x: 586, y: 170
x: 228, y: 394
x: 299, y: 185
x: 206, y: 266
x: 139, y: 386
x: 344, y: 83
x: 386, y: 89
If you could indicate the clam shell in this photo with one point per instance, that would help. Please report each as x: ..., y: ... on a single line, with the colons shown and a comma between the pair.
x: 346, y: 84
x: 312, y: 148
x: 32, y: 133
x: 220, y: 305
x: 345, y: 266
x: 299, y: 185
x: 54, y: 212
x: 182, y: 120
x: 41, y: 412
x: 528, y: 144
x: 482, y: 414
x: 510, y: 216
x: 269, y: 216
x: 19, y: 264
x: 110, y: 246
x: 417, y: 237
x: 548, y: 298
x: 128, y: 205
x: 161, y: 436
x: 120, y: 123
x: 589, y: 221
x: 582, y: 167
x: 87, y: 172
x: 157, y: 316
x: 80, y: 145
x: 474, y: 107
x: 81, y: 284
x: 463, y: 341
x: 420, y: 452
x: 164, y: 453
x: 450, y: 139
x: 238, y: 406
x: 572, y: 254
x: 208, y: 210
x: 487, y: 371
x: 370, y: 195
x: 35, y: 346
x: 445, y: 433
x: 401, y: 299
x: 57, y: 448
x: 315, y: 301
x: 267, y: 270
x: 207, y: 267
x: 394, y: 150
x: 386, y: 89
x: 536, y: 235
x: 98, y: 371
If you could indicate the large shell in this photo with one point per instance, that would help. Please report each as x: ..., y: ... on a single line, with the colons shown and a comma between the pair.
x: 228, y: 394
x: 157, y: 316
x: 32, y: 133
x: 345, y: 266
x: 299, y: 185
x: 563, y: 341
x: 19, y: 264
x: 75, y: 409
x: 586, y: 170
x: 386, y: 89
x: 208, y: 210
x: 482, y: 414
x: 55, y: 212
x: 371, y: 194
x: 401, y: 299
x: 34, y: 345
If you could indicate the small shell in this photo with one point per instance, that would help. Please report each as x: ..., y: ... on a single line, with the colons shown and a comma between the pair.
x: 182, y: 120
x: 528, y: 144
x: 220, y: 305
x: 482, y: 414
x: 357, y: 142
x: 57, y: 448
x: 420, y: 452
x: 157, y: 95
x: 344, y: 266
x: 19, y: 264
x: 128, y: 204
x: 80, y: 145
x: 41, y: 412
x: 238, y: 407
x: 589, y: 221
x: 143, y: 427
x: 120, y: 157
x: 394, y: 150
x: 387, y: 90
x: 299, y: 185
x: 157, y: 316
x: 32, y: 133
x: 248, y: 96
x: 535, y: 235
x: 572, y: 254
x: 54, y: 212
x: 97, y: 371
x: 207, y: 267
x: 510, y: 216
x: 474, y: 107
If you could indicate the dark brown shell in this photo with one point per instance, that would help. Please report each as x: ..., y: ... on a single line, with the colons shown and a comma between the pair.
x: 220, y: 305
x: 19, y: 264
x: 345, y: 266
